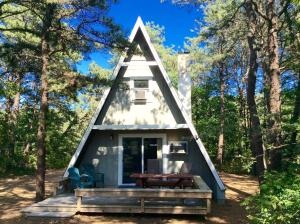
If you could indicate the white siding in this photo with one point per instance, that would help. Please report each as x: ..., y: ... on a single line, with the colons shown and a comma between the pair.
x: 123, y: 110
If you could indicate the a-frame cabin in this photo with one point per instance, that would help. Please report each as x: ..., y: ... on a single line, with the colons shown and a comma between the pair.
x: 142, y: 118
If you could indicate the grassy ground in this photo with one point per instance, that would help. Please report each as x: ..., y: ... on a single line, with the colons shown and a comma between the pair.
x: 18, y: 192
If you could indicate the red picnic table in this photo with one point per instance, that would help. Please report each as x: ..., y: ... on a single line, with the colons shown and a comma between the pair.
x: 163, y: 180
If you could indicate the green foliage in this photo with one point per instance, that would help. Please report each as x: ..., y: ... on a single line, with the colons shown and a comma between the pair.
x: 206, y: 115
x: 2, y: 165
x: 70, y: 30
x: 220, y: 49
x: 278, y: 200
x: 240, y: 164
x: 16, y: 165
x: 289, y: 97
x: 167, y: 54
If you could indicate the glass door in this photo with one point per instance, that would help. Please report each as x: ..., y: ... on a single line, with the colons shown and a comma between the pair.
x: 132, y: 157
x: 152, y: 155
x: 140, y: 155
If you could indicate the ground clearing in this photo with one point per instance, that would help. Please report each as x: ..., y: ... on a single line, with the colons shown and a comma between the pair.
x: 18, y: 192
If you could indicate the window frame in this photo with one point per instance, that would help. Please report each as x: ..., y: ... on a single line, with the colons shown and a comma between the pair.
x: 148, y: 90
x: 139, y: 80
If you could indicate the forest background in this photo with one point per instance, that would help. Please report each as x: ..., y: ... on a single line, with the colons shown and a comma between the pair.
x: 245, y: 100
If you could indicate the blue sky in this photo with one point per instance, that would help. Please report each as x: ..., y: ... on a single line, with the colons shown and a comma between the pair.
x: 178, y: 23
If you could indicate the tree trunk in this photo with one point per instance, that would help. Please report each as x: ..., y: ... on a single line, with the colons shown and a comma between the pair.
x: 222, y: 118
x: 266, y: 90
x: 41, y: 134
x: 26, y: 149
x: 275, y: 88
x: 266, y: 106
x: 16, y: 104
x: 242, y: 105
x: 256, y: 142
x: 14, y: 115
x: 296, y: 113
x: 8, y: 118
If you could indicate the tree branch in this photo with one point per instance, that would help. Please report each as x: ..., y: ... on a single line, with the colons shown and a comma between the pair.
x: 20, y: 30
x: 284, y: 8
x: 12, y: 14
x: 256, y: 8
x: 225, y: 23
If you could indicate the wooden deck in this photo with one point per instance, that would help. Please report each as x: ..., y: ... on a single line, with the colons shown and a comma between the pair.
x: 172, y: 201
x: 126, y: 200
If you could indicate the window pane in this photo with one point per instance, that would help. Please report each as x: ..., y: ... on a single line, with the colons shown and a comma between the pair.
x: 141, y: 84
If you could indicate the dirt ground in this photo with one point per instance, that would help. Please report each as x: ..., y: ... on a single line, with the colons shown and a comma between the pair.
x: 18, y: 192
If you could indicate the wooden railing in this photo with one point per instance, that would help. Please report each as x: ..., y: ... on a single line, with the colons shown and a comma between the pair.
x: 146, y: 197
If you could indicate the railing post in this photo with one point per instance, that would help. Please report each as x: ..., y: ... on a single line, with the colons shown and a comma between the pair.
x: 208, y: 203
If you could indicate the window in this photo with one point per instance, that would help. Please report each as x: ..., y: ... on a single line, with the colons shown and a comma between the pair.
x: 140, y: 90
x: 141, y: 84
x: 140, y: 96
x: 178, y: 147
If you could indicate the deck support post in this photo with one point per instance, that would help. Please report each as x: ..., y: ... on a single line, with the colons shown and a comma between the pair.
x: 79, y: 201
x: 142, y: 205
x: 208, y: 204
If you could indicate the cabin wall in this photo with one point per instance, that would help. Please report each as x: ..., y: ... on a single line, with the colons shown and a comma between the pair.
x: 200, y: 167
x: 102, y: 151
x: 194, y: 157
x: 121, y: 108
x: 102, y: 148
x: 175, y: 161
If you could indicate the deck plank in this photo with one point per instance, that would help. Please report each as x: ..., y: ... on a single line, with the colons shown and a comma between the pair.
x: 147, y: 193
x: 51, y: 214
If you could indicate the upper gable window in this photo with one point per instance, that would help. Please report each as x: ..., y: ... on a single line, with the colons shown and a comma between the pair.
x: 141, y: 84
x: 140, y: 91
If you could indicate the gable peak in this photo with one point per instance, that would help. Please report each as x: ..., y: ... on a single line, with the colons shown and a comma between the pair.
x: 139, y: 20
x: 139, y: 25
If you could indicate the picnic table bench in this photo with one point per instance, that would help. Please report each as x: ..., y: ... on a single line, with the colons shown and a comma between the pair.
x: 163, y: 180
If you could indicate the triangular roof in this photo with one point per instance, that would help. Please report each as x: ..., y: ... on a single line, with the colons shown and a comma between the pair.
x: 140, y: 26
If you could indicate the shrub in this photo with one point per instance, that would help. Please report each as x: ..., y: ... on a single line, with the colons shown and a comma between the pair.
x: 278, y: 200
x: 240, y: 164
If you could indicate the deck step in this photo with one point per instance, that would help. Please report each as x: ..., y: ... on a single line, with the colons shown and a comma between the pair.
x: 50, y: 214
x: 49, y: 209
